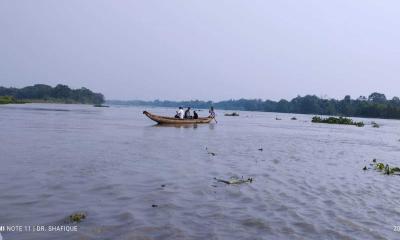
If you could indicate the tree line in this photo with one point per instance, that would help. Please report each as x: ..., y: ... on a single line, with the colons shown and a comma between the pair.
x: 60, y: 93
x: 375, y: 105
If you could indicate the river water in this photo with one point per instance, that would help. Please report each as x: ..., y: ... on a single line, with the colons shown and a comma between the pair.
x: 114, y: 164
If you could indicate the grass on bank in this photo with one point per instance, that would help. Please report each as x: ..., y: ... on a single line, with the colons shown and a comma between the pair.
x: 9, y: 100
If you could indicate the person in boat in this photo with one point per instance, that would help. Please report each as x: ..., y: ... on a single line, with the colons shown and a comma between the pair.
x: 212, y: 113
x: 187, y: 113
x: 179, y: 113
x: 195, y: 115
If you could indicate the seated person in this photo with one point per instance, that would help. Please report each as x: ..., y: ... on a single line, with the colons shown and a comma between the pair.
x: 180, y: 113
x: 187, y: 113
x: 195, y: 115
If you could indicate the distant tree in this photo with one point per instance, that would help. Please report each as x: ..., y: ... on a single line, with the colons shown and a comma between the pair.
x: 376, y: 105
x: 310, y: 104
x: 362, y: 98
x: 396, y: 100
x: 60, y: 93
x: 283, y: 106
x: 377, y: 97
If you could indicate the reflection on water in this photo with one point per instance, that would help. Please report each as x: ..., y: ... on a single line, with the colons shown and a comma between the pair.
x: 115, y: 164
x: 194, y: 126
x: 176, y: 125
x: 22, y: 107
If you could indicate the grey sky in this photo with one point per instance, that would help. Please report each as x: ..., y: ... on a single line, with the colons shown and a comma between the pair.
x: 203, y: 49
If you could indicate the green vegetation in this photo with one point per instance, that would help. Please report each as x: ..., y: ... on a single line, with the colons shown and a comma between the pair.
x: 101, y: 105
x: 389, y: 170
x: 234, y: 114
x: 58, y: 94
x: 10, y: 99
x: 375, y: 125
x: 379, y: 166
x: 77, y: 217
x: 339, y: 120
x: 385, y: 168
x: 374, y: 106
x: 235, y: 180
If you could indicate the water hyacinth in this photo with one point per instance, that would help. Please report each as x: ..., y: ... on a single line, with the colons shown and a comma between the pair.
x: 385, y: 168
x: 77, y: 217
x: 379, y: 166
x: 335, y: 120
x: 375, y: 125
x: 235, y: 180
x: 234, y: 114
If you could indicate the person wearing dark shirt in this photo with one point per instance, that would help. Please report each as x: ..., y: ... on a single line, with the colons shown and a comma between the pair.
x: 212, y: 113
x: 187, y: 113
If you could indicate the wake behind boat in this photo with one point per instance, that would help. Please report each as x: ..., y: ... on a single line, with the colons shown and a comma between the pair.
x: 172, y: 120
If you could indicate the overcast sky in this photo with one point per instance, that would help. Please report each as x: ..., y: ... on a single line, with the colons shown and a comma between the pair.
x: 209, y: 50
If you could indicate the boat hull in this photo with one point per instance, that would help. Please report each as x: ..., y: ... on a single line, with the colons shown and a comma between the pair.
x: 170, y: 120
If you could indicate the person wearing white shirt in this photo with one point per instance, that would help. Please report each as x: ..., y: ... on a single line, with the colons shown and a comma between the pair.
x: 180, y: 113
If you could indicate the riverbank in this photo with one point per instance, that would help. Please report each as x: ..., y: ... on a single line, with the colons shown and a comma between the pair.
x: 41, y: 93
x: 376, y: 105
x: 56, y: 101
x: 11, y: 100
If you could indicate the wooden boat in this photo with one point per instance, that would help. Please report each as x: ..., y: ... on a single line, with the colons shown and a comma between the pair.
x: 171, y: 120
